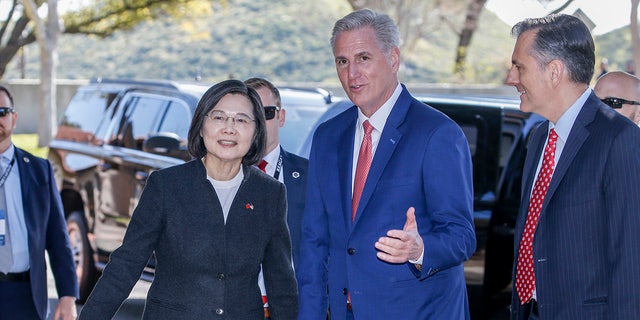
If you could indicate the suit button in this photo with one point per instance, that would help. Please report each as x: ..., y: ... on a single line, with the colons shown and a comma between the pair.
x: 219, y: 311
x: 351, y: 251
x: 344, y: 291
x: 220, y: 276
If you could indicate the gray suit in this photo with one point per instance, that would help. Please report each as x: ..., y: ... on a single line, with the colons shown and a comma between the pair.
x: 205, y: 269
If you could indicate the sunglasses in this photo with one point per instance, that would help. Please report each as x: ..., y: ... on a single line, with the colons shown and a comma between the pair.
x: 270, y: 112
x: 617, y: 103
x: 5, y: 111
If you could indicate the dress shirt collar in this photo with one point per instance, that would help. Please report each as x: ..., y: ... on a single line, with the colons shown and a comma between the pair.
x: 6, y: 157
x: 379, y: 118
x: 565, y: 123
x: 272, y: 160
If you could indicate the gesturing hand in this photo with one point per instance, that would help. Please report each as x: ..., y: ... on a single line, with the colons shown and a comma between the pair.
x: 400, y: 246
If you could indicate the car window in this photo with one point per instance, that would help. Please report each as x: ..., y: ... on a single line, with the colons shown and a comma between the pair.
x: 144, y: 115
x: 303, y: 110
x: 79, y: 122
x: 176, y: 119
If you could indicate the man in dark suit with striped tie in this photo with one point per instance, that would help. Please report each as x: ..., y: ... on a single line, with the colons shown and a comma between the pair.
x: 576, y: 237
x: 284, y: 166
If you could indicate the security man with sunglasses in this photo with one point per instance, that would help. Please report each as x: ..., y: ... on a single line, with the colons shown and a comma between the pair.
x: 284, y: 166
x: 621, y: 91
x: 31, y: 222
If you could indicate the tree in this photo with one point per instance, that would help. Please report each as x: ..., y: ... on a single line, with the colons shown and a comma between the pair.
x: 635, y: 37
x: 102, y: 18
x: 464, y: 37
x: 47, y: 34
x: 420, y: 16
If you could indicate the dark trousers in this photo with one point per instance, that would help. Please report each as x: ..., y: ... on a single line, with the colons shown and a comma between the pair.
x: 16, y: 301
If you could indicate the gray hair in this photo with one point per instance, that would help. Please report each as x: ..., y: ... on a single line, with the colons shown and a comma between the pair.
x: 386, y: 30
x: 563, y: 37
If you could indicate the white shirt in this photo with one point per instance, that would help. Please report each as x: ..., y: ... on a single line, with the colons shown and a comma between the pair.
x: 378, y: 120
x: 15, y: 213
x: 272, y: 163
x: 226, y: 191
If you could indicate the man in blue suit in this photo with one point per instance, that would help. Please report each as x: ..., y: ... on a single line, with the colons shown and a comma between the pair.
x: 31, y: 222
x: 284, y: 166
x: 388, y: 242
x: 576, y: 244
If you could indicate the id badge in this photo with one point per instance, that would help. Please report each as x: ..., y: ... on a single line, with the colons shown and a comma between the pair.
x: 3, y: 226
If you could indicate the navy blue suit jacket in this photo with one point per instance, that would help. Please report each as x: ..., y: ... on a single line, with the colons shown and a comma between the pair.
x: 295, y: 179
x: 586, y: 248
x: 46, y: 230
x: 421, y: 161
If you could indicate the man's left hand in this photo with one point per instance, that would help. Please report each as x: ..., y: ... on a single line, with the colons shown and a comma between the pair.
x: 66, y: 309
x: 400, y: 246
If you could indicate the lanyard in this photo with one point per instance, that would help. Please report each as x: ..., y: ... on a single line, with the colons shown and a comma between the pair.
x: 7, y: 171
x: 278, y: 167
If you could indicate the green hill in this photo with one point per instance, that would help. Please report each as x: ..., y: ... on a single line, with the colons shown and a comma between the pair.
x: 285, y: 41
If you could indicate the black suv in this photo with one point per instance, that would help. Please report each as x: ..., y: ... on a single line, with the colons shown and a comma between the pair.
x: 113, y: 134
x: 497, y: 132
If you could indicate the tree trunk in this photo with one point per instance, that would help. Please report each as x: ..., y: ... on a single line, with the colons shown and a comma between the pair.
x: 47, y: 36
x: 635, y: 37
x: 470, y: 25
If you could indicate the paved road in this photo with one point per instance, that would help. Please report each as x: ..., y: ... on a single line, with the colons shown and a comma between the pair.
x: 130, y: 310
x: 474, y: 269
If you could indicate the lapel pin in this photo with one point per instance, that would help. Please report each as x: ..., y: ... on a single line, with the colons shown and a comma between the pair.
x: 295, y: 174
x: 25, y: 159
x: 248, y: 206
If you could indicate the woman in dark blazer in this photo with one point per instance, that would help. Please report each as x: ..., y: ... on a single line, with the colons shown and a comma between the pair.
x: 211, y: 223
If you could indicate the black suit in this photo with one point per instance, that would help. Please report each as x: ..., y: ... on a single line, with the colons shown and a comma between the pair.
x: 295, y: 179
x: 204, y: 267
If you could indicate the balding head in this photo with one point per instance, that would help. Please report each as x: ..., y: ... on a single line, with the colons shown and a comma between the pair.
x: 621, y: 85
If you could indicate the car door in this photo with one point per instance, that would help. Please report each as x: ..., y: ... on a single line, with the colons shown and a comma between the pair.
x: 123, y: 173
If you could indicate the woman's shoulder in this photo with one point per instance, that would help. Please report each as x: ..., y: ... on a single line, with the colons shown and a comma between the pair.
x: 187, y: 171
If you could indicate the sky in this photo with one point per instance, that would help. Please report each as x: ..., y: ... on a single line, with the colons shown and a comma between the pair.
x: 607, y: 14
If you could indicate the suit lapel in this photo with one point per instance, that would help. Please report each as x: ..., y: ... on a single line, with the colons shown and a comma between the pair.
x: 386, y: 147
x: 577, y: 136
x: 345, y: 171
x: 28, y: 188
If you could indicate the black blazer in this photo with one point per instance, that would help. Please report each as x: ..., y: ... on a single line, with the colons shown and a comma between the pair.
x: 205, y: 268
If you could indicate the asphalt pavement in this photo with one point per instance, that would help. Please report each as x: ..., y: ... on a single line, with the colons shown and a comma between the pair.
x: 474, y: 269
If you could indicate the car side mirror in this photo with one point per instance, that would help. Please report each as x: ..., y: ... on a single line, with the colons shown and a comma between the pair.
x: 164, y: 143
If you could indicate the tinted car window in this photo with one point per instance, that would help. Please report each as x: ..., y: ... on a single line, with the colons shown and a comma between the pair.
x: 84, y: 114
x: 303, y: 109
x: 177, y: 120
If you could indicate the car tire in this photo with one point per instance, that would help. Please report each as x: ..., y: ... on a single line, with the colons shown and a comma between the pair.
x: 82, y: 255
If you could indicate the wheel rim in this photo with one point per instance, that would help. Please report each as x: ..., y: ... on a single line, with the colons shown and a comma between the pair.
x: 77, y: 246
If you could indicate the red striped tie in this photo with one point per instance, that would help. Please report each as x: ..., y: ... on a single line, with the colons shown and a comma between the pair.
x: 362, y: 168
x: 525, y: 275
